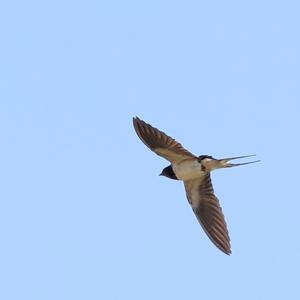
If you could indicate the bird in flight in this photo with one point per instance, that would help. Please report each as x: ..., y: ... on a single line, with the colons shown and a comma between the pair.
x: 194, y: 171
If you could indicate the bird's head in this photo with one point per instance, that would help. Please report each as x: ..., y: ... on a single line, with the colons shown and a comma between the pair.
x: 211, y: 163
x: 168, y: 172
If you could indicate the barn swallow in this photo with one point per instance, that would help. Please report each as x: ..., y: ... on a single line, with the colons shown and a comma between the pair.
x: 194, y: 171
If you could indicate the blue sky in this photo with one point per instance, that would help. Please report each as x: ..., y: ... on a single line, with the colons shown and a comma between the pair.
x: 83, y: 213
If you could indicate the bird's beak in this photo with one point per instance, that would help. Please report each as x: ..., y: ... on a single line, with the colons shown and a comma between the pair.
x: 224, y: 162
x: 160, y: 174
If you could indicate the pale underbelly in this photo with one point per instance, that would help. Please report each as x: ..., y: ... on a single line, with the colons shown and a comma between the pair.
x: 188, y: 169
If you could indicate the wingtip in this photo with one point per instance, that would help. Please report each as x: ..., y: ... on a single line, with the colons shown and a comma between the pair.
x: 135, y: 124
x: 135, y: 120
x: 228, y: 252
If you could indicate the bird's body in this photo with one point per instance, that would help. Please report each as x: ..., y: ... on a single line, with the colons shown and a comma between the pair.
x: 194, y: 171
x: 188, y: 169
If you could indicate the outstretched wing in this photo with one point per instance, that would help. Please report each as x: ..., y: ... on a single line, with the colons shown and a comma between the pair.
x: 160, y: 143
x: 208, y: 211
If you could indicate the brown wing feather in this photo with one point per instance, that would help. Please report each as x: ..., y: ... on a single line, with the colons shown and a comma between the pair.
x: 160, y: 143
x: 209, y: 213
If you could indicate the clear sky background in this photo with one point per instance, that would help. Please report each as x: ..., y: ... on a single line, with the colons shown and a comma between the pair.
x: 83, y: 213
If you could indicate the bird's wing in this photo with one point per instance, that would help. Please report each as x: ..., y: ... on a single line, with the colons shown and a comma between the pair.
x: 160, y: 143
x: 208, y: 211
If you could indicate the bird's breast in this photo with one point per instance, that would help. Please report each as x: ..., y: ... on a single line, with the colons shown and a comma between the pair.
x: 188, y: 169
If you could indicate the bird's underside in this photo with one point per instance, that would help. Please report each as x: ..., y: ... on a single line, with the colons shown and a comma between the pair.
x: 199, y: 190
